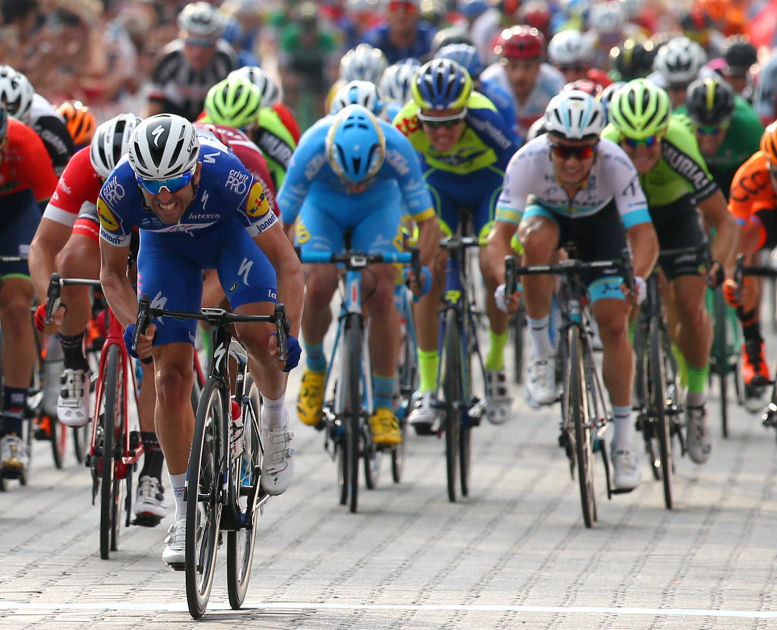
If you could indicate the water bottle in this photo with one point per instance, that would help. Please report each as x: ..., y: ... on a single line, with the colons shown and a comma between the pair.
x: 237, y: 430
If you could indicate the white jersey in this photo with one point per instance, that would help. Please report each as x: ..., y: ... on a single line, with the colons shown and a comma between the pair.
x: 612, y: 177
x: 548, y: 83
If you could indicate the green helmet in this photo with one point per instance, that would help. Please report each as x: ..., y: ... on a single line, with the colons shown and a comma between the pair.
x: 640, y: 109
x: 233, y: 102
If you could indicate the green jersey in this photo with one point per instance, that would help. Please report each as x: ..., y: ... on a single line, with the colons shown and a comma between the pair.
x: 680, y: 171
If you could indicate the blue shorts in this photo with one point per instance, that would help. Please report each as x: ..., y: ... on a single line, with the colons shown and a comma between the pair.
x: 475, y: 193
x: 170, y: 269
x: 19, y: 219
x: 376, y: 229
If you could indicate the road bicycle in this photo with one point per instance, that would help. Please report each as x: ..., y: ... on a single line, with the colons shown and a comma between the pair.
x: 223, y: 480
x: 348, y: 437
x: 458, y: 346
x: 584, y: 412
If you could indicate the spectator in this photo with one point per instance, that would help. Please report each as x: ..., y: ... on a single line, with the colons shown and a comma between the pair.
x: 403, y: 35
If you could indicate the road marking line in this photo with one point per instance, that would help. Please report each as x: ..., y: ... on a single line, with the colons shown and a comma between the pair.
x: 281, y: 606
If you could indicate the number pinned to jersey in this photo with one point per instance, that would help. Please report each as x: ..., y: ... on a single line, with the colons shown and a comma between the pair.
x: 107, y: 220
x: 257, y: 205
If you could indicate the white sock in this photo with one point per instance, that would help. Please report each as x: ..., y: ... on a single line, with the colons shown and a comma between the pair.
x: 539, y: 334
x: 178, y: 483
x: 274, y: 414
x: 623, y: 428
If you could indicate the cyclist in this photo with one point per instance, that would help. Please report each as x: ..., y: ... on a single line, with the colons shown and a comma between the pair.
x: 189, y: 65
x: 572, y: 53
x: 80, y: 122
x: 521, y: 71
x: 362, y: 63
x: 727, y: 129
x: 347, y: 177
x: 739, y: 58
x: 394, y: 87
x: 67, y: 241
x: 190, y: 197
x: 677, y: 64
x: 28, y: 180
x: 752, y: 202
x: 676, y: 182
x: 361, y: 93
x: 633, y: 59
x: 464, y: 145
x: 403, y: 35
x: 584, y: 191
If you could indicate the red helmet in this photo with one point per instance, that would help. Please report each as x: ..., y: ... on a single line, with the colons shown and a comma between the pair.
x: 536, y: 13
x: 520, y: 42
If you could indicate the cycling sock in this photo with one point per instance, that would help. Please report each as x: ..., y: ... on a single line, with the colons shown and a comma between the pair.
x: 383, y: 391
x: 623, y: 428
x: 697, y: 379
x: 539, y: 334
x: 751, y: 327
x: 178, y: 484
x: 428, y: 361
x: 13, y: 409
x: 496, y: 353
x: 274, y: 414
x: 315, y: 359
x: 696, y: 399
x: 682, y: 365
x: 73, y: 349
x: 153, y: 458
x: 632, y: 330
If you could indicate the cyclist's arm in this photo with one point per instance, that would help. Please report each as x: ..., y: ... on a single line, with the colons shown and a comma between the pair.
x: 48, y: 241
x: 726, y: 244
x: 499, y: 246
x: 429, y: 235
x: 117, y: 288
x: 644, y: 248
x: 288, y: 270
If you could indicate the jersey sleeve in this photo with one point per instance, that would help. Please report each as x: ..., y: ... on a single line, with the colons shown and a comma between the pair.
x: 491, y: 128
x: 56, y: 138
x: 113, y: 229
x: 627, y: 193
x: 78, y: 184
x: 519, y: 174
x: 38, y: 167
x: 401, y: 158
x: 304, y: 166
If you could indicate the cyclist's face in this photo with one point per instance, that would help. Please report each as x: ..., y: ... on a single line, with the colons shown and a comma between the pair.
x: 198, y: 52
x: 709, y: 143
x: 169, y: 207
x: 574, y: 73
x: 444, y: 136
x: 521, y: 73
x: 570, y: 168
x: 643, y: 157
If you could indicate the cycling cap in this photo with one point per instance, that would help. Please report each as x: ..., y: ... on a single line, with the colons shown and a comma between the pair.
x: 355, y: 145
x: 397, y: 81
x: 80, y: 121
x: 111, y: 141
x: 271, y: 91
x: 640, y: 109
x: 574, y: 115
x: 163, y: 147
x: 234, y: 103
x: 710, y: 101
x: 441, y: 84
x: 361, y: 93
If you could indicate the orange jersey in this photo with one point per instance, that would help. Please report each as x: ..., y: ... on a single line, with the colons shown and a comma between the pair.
x: 26, y: 163
x: 752, y: 191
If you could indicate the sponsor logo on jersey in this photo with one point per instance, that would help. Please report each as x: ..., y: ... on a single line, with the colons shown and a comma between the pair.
x: 113, y: 239
x: 398, y: 161
x: 107, y: 220
x: 256, y: 205
x: 113, y: 191
x: 237, y: 181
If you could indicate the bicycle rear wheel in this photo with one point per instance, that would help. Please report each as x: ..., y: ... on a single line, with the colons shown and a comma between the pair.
x: 580, y: 418
x: 720, y: 354
x: 203, y: 504
x: 113, y: 434
x: 517, y: 326
x: 351, y: 376
x: 453, y: 394
x: 658, y: 403
x: 245, y: 476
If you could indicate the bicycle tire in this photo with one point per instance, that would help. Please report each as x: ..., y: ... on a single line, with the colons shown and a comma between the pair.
x: 80, y: 442
x: 465, y: 428
x: 720, y: 337
x: 452, y: 394
x: 203, y: 504
x: 240, y: 543
x: 110, y: 487
x: 351, y: 377
x: 517, y: 327
x: 658, y: 403
x: 58, y: 439
x: 578, y: 410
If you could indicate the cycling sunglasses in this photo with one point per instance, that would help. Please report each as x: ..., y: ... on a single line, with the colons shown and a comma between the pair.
x: 711, y: 130
x: 442, y: 121
x: 565, y: 151
x: 633, y: 143
x: 173, y: 185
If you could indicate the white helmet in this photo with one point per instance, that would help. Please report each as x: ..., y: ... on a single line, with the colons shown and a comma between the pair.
x: 397, y: 80
x: 202, y: 19
x: 574, y: 115
x: 363, y: 63
x: 679, y: 60
x: 16, y: 93
x: 607, y: 18
x: 271, y: 91
x: 111, y: 141
x: 163, y: 147
x: 569, y: 48
x: 361, y: 93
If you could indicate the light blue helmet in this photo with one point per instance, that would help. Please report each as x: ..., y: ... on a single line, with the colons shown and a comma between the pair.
x: 355, y: 145
x: 465, y: 55
x: 574, y: 115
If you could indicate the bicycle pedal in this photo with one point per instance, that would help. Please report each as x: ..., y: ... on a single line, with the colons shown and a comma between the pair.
x: 623, y: 490
x: 146, y: 520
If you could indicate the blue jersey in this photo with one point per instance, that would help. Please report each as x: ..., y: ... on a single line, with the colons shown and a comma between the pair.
x: 227, y: 192
x: 310, y: 177
x: 503, y: 102
x: 420, y: 48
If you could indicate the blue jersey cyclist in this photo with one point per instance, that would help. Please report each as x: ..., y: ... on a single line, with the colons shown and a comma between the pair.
x: 197, y: 208
x: 350, y: 175
x: 465, y: 146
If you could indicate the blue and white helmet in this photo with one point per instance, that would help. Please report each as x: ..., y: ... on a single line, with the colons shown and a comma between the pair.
x: 396, y: 83
x: 361, y: 93
x: 465, y: 55
x: 363, y: 63
x: 355, y: 145
x: 574, y: 115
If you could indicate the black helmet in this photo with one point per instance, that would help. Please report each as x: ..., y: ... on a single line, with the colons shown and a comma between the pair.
x: 710, y: 101
x: 739, y: 54
x: 633, y: 59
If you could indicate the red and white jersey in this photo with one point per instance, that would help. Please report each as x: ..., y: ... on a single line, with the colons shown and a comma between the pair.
x: 79, y: 184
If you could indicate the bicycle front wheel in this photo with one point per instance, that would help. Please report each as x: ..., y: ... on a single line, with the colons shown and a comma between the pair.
x: 203, y: 504
x: 351, y: 376
x: 453, y: 393
x: 658, y: 403
x: 245, y: 477
x: 579, y: 417
x: 113, y: 427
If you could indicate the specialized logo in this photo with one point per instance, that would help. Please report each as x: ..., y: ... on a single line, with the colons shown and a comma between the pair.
x: 257, y: 205
x: 237, y: 181
x: 245, y: 268
x: 159, y: 301
x: 107, y: 220
x: 210, y: 158
x: 157, y: 133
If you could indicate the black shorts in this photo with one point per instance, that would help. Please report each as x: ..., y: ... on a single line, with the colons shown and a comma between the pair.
x: 678, y: 226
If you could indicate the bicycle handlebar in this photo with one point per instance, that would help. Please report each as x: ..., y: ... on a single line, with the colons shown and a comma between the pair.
x: 56, y: 284
x: 359, y: 260
x: 461, y: 242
